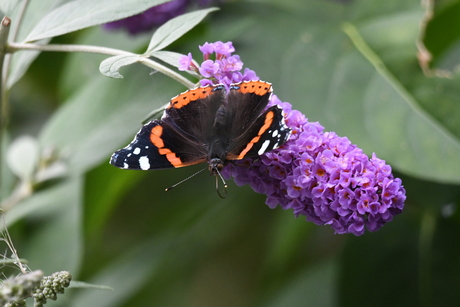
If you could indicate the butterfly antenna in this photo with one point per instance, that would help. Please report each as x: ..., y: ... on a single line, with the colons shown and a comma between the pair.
x: 224, y: 195
x: 183, y: 180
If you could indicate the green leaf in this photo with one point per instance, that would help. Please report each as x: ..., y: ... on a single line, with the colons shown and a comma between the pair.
x: 80, y: 14
x: 126, y: 275
x: 41, y: 204
x: 85, y: 285
x: 175, y: 28
x: 21, y: 60
x: 312, y: 287
x: 81, y: 67
x: 8, y: 6
x: 56, y: 242
x: 112, y: 65
x: 23, y: 156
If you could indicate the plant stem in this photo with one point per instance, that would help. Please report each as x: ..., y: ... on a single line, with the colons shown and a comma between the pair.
x: 13, y: 47
x: 4, y: 32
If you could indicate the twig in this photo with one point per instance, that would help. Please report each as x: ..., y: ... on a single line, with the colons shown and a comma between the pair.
x: 13, y: 47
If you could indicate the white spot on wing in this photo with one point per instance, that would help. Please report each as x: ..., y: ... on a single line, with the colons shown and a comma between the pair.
x: 136, y: 151
x: 125, y: 165
x: 144, y: 163
x: 264, y: 147
x: 275, y: 133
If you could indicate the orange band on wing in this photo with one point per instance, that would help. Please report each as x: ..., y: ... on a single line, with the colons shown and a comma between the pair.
x: 191, y: 95
x: 268, y: 122
x: 257, y: 87
x: 155, y: 138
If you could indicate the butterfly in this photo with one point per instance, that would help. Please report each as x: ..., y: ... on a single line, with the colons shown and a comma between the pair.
x: 214, y: 124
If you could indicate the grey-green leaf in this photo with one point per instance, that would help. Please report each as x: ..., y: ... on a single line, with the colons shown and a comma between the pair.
x: 111, y: 66
x: 175, y: 28
x: 81, y: 284
x: 8, y: 6
x: 80, y: 14
x: 22, y: 157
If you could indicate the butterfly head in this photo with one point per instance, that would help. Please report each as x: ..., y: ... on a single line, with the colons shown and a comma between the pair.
x: 215, y: 166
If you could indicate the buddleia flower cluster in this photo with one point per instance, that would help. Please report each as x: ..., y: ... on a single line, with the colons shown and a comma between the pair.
x: 317, y: 174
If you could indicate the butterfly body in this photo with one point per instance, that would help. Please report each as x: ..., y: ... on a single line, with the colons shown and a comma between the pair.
x: 208, y: 124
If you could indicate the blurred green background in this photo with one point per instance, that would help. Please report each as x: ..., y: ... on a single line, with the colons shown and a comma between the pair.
x: 351, y: 65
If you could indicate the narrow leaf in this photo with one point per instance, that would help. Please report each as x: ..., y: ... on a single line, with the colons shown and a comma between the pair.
x: 111, y: 66
x: 175, y: 28
x: 80, y: 14
x: 81, y: 284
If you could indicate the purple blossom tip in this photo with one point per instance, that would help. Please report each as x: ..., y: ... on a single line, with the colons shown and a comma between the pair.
x: 324, y: 177
x: 223, y: 67
x: 185, y: 62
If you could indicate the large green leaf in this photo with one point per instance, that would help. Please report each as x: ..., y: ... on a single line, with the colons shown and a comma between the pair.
x: 8, y: 6
x: 80, y: 14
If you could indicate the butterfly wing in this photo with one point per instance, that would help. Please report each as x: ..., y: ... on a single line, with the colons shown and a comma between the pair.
x: 268, y: 132
x: 260, y: 131
x: 158, y: 146
x: 180, y: 138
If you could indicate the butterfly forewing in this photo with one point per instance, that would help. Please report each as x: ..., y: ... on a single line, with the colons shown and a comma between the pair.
x: 193, y: 112
x: 159, y: 145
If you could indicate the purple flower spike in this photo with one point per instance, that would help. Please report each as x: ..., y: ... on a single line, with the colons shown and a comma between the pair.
x: 323, y: 177
x: 317, y: 174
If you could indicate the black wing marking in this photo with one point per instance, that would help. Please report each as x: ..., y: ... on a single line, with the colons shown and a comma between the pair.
x: 159, y: 146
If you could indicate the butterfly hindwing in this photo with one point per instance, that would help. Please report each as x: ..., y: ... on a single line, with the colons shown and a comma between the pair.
x: 246, y: 102
x: 268, y: 132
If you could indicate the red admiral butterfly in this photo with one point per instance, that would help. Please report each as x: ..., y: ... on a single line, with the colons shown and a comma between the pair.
x: 208, y: 124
